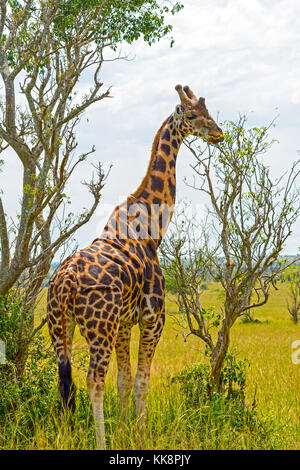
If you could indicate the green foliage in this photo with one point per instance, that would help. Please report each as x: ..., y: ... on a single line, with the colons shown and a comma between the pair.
x: 250, y: 320
x: 171, y: 283
x: 124, y: 20
x: 172, y: 423
x: 114, y: 22
x: 14, y: 324
x: 33, y: 393
x: 29, y: 410
x: 225, y: 409
x: 170, y: 287
x: 211, y: 317
x: 32, y: 403
x: 234, y: 376
x: 291, y: 276
x: 196, y: 382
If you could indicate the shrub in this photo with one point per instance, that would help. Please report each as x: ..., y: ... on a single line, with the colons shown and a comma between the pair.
x: 195, y: 382
x: 36, y: 390
x: 224, y: 411
x: 14, y: 323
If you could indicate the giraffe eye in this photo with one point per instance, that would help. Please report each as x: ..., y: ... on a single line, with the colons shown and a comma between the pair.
x: 190, y: 118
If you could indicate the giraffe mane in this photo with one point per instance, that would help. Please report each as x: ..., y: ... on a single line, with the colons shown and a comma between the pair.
x: 153, y: 154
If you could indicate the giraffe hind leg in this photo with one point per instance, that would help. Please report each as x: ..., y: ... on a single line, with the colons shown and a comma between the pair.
x: 125, y: 380
x: 100, y: 330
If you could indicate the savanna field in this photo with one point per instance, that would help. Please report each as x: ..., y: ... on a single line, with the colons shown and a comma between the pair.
x: 173, y: 422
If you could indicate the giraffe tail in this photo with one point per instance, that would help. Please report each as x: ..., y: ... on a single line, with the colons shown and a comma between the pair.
x: 66, y: 385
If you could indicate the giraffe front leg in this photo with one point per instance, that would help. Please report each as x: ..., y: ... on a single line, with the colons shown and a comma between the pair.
x: 149, y: 337
x: 125, y: 380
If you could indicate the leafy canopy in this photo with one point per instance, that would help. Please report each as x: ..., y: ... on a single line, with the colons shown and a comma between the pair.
x: 114, y: 21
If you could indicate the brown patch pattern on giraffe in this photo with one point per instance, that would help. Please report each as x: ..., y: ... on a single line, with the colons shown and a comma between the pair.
x: 117, y: 282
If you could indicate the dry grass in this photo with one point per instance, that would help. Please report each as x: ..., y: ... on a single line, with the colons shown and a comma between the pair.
x: 273, y: 380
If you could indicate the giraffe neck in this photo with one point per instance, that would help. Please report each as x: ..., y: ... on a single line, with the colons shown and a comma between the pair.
x: 159, y: 184
x: 148, y: 211
x: 158, y: 188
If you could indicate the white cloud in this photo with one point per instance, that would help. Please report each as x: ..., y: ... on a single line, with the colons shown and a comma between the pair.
x: 242, y: 56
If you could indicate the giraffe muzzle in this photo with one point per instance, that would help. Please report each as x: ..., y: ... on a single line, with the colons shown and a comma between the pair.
x: 215, y: 138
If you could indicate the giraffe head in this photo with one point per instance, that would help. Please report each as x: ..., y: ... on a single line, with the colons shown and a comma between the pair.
x: 192, y: 117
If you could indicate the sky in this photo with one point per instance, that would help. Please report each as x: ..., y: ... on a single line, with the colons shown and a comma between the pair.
x: 242, y: 56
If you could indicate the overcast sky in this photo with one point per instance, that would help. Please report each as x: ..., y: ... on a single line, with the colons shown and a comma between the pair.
x: 242, y: 56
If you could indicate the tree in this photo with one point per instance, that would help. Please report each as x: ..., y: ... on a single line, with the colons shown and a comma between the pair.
x: 291, y: 276
x: 249, y: 220
x: 45, y: 48
x: 186, y: 271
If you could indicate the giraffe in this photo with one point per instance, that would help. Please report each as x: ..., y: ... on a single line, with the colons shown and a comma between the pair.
x: 117, y: 282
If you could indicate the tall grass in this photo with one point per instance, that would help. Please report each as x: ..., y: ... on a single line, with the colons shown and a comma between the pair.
x: 272, y: 391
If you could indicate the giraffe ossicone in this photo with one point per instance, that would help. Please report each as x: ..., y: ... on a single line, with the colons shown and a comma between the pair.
x: 117, y: 282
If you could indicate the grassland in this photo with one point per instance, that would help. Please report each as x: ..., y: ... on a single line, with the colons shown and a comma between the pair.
x: 273, y: 384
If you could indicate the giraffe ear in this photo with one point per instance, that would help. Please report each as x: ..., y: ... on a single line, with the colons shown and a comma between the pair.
x: 179, y: 109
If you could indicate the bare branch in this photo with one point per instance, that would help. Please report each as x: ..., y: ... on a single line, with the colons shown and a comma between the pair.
x: 248, y: 222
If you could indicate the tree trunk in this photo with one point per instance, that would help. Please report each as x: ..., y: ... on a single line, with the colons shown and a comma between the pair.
x: 218, y: 356
x: 20, y: 360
